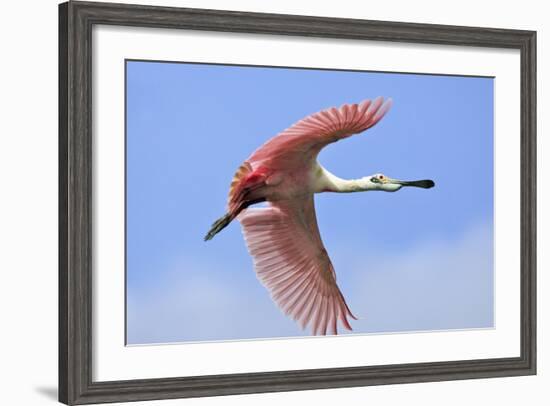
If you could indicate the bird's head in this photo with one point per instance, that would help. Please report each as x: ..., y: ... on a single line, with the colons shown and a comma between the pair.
x: 379, y: 181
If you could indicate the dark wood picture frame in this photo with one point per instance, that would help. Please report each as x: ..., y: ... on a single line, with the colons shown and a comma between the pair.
x: 76, y: 20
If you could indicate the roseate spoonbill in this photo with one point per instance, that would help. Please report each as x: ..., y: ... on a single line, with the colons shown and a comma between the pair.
x: 283, y: 238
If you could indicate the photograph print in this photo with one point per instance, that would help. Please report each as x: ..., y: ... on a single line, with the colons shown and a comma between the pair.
x: 283, y: 202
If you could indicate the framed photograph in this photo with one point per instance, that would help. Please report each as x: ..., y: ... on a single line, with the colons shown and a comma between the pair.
x: 258, y: 202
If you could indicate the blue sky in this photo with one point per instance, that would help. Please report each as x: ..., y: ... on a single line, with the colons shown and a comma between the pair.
x: 412, y: 260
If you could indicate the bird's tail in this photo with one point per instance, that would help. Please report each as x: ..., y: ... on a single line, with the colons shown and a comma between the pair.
x: 219, y: 225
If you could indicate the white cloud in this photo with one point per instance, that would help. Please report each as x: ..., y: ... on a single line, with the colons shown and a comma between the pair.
x: 206, y: 305
x: 433, y: 285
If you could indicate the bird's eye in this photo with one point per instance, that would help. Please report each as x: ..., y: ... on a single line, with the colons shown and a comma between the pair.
x: 381, y: 177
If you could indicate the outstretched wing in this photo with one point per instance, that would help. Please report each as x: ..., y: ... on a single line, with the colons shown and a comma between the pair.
x: 297, y: 147
x: 291, y: 261
x: 300, y: 143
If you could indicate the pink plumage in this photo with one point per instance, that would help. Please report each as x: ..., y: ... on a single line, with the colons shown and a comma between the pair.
x: 298, y: 146
x: 283, y: 238
x: 291, y: 261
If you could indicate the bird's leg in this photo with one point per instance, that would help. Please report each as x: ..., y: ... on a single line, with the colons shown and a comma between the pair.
x: 227, y: 218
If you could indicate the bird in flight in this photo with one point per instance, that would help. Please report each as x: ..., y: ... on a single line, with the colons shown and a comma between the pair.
x: 283, y: 238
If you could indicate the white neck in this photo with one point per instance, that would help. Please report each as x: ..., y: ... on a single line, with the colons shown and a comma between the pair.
x: 328, y: 182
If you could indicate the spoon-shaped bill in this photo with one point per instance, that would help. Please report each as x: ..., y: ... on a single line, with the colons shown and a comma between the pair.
x: 424, y: 183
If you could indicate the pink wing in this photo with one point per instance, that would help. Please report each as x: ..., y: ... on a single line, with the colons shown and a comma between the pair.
x: 291, y: 261
x: 297, y: 147
x: 302, y: 142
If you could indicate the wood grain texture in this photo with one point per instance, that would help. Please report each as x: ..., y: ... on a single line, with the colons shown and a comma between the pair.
x: 76, y: 20
x: 63, y: 118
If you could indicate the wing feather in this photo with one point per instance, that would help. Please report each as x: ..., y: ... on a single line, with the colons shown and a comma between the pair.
x: 292, y: 263
x: 301, y: 142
